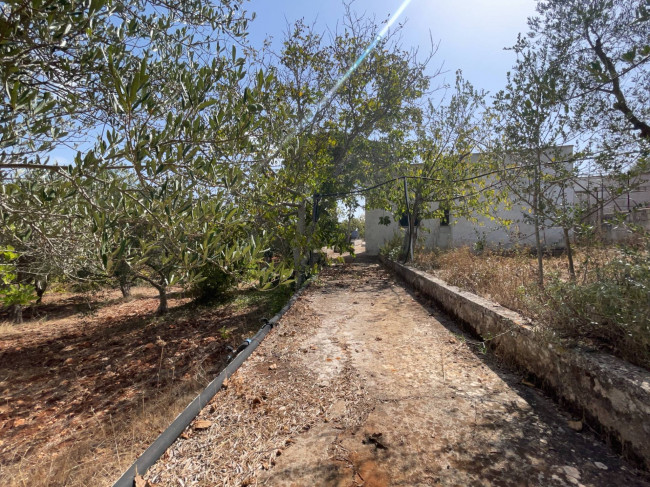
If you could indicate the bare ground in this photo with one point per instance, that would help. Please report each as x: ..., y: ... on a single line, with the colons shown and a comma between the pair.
x: 363, y: 385
x: 90, y: 380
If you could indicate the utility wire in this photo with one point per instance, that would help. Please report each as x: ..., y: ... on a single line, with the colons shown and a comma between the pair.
x: 424, y: 178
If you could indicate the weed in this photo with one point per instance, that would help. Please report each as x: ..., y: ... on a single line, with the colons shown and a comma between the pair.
x: 393, y: 248
x: 224, y: 333
x: 607, y: 305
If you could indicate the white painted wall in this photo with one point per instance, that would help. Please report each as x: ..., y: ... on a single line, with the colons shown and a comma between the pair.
x: 462, y: 231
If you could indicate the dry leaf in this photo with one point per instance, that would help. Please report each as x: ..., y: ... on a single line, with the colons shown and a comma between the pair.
x: 202, y: 424
x: 140, y: 482
x: 225, y: 383
x: 273, y: 366
x: 184, y: 435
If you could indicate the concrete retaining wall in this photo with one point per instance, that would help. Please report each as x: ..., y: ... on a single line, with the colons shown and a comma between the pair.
x: 612, y: 395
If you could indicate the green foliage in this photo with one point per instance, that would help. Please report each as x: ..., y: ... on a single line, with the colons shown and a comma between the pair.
x: 444, y: 164
x: 13, y: 293
x: 213, y: 284
x: 160, y: 99
x: 384, y: 220
x: 612, y: 309
x: 392, y: 249
x: 320, y: 139
x: 603, y: 51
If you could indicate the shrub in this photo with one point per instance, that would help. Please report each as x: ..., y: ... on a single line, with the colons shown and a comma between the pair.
x: 613, y: 309
x: 215, y: 283
x: 13, y: 294
x: 393, y: 248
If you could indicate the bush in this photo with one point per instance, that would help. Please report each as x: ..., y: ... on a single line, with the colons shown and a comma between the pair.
x: 393, y: 248
x: 613, y: 309
x: 214, y: 285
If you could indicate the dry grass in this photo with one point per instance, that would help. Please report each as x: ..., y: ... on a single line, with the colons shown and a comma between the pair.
x: 603, y: 307
x: 85, y: 391
x: 279, y: 393
x: 106, y: 448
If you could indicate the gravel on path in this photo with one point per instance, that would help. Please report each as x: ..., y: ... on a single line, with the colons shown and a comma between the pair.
x: 362, y: 384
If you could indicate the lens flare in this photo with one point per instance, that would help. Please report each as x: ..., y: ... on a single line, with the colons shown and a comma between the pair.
x: 328, y: 96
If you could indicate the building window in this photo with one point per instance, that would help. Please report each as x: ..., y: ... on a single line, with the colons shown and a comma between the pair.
x: 444, y: 221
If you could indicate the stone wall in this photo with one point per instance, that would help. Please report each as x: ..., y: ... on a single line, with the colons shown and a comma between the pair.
x: 612, y: 395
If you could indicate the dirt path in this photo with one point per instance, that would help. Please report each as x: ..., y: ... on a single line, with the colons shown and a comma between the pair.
x: 362, y: 385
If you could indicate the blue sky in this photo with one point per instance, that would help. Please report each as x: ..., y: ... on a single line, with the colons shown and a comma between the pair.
x: 472, y: 33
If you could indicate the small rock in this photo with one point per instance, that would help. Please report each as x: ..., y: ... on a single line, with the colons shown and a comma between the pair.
x: 601, y: 466
x: 273, y: 366
x: 571, y: 472
x: 575, y: 425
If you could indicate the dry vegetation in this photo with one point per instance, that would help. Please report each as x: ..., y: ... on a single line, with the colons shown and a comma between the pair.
x: 90, y: 380
x: 607, y: 306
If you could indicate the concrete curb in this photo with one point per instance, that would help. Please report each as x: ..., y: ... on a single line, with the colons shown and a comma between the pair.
x: 612, y: 395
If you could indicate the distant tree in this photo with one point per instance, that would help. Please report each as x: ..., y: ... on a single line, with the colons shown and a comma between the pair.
x: 533, y: 126
x: 444, y: 168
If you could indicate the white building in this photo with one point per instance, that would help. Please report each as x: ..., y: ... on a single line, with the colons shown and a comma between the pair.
x: 457, y: 232
x: 613, y: 212
x: 610, y: 212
